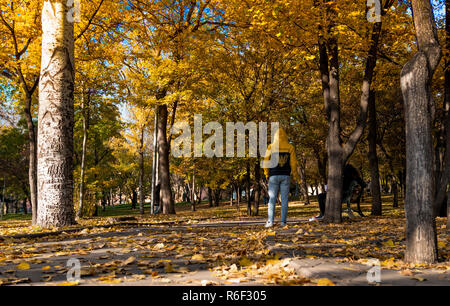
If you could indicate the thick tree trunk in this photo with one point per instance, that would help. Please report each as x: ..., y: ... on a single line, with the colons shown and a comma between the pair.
x: 166, y: 199
x: 442, y: 184
x: 56, y: 120
x: 373, y: 158
x: 416, y: 79
x: 330, y: 86
x: 338, y: 154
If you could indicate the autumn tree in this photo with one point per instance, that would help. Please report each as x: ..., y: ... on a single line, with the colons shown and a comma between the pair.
x: 416, y: 80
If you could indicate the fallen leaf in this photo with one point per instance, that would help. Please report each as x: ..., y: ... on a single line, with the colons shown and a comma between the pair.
x: 325, y: 282
x: 198, y: 257
x: 67, y: 284
x: 23, y: 266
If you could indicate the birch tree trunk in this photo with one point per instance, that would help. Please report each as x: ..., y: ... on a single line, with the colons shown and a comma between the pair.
x: 55, y: 125
x: 415, y: 81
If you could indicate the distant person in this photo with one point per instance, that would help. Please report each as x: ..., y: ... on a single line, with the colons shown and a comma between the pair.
x: 279, y: 176
x: 351, y: 178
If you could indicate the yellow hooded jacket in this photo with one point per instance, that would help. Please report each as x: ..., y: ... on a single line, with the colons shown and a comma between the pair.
x: 284, y: 146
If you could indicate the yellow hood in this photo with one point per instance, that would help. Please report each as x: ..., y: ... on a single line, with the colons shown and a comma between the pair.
x: 281, y: 139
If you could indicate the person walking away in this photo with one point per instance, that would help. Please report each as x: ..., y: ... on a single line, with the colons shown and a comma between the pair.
x: 279, y: 175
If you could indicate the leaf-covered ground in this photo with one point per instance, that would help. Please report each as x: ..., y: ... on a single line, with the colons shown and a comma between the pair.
x: 216, y: 246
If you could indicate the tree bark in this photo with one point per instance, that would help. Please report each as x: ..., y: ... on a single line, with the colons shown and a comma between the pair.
x: 373, y: 158
x: 415, y: 81
x: 210, y: 197
x: 32, y: 171
x: 55, y: 125
x: 257, y: 189
x: 442, y: 184
x: 248, y: 182
x: 338, y: 154
x: 133, y: 199
x: 85, y: 113
x: 395, y: 192
x: 155, y: 162
x: 166, y: 199
x: 141, y: 172
x: 193, y: 190
x: 24, y: 206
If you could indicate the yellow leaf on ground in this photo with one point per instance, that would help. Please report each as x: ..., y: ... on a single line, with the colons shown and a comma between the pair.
x: 325, y: 282
x: 198, y: 257
x: 244, y: 262
x: 67, y: 284
x: 111, y: 281
x: 130, y: 260
x: 389, y: 243
x: 45, y: 268
x: 23, y: 266
x: 169, y: 268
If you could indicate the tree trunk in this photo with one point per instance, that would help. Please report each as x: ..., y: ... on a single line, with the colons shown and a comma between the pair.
x: 155, y: 162
x: 141, y: 172
x: 373, y: 158
x: 166, y: 199
x: 249, y: 200
x: 85, y: 114
x: 55, y: 137
x: 24, y: 206
x: 441, y: 185
x: 238, y: 198
x: 415, y: 81
x: 448, y: 214
x: 210, y: 197
x: 304, y: 186
x: 330, y: 87
x: 395, y: 192
x: 133, y: 199
x: 338, y: 154
x: 217, y: 197
x: 193, y: 190
x: 32, y: 171
x: 257, y: 189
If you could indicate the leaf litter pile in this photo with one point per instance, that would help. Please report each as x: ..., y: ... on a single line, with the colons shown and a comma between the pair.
x: 187, y: 253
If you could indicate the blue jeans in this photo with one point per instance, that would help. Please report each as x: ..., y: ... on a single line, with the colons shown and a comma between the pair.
x: 278, y: 183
